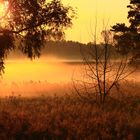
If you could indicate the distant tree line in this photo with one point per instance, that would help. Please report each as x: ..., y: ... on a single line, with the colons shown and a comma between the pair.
x: 66, y: 50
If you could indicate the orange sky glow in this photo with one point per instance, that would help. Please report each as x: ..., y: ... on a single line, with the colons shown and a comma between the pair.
x: 107, y: 12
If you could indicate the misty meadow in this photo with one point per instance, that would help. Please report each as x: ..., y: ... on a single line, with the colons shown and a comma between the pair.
x: 69, y: 70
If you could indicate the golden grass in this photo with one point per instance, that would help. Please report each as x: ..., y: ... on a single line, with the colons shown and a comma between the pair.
x: 69, y: 118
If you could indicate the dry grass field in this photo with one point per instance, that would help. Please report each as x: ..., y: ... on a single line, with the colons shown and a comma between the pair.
x: 68, y: 117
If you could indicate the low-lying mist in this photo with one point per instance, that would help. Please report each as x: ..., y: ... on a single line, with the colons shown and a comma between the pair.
x: 47, y: 75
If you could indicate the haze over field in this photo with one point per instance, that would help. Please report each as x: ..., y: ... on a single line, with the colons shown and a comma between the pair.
x: 69, y: 70
x: 59, y: 60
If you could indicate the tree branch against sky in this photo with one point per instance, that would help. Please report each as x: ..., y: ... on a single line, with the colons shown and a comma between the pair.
x: 26, y: 24
x: 128, y: 37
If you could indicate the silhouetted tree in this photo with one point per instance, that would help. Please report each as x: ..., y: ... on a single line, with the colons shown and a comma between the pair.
x: 128, y: 38
x: 103, y: 73
x: 26, y: 24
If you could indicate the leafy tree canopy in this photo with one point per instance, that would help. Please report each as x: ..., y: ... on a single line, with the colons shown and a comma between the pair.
x: 127, y: 38
x: 28, y: 23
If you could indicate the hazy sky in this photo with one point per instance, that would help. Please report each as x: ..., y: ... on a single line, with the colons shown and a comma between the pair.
x: 109, y: 11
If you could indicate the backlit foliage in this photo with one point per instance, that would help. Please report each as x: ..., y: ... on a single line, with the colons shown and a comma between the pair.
x: 28, y: 23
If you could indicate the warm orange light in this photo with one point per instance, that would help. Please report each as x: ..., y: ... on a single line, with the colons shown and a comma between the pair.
x: 1, y: 1
x: 2, y: 8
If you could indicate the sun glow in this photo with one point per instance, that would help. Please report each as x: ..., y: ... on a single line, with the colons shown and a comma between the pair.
x: 2, y: 9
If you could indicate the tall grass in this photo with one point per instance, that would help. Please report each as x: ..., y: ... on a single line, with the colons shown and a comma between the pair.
x: 69, y: 118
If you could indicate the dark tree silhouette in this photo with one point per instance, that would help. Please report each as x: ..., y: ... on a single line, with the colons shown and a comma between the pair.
x: 28, y: 23
x: 103, y: 73
x: 128, y: 38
